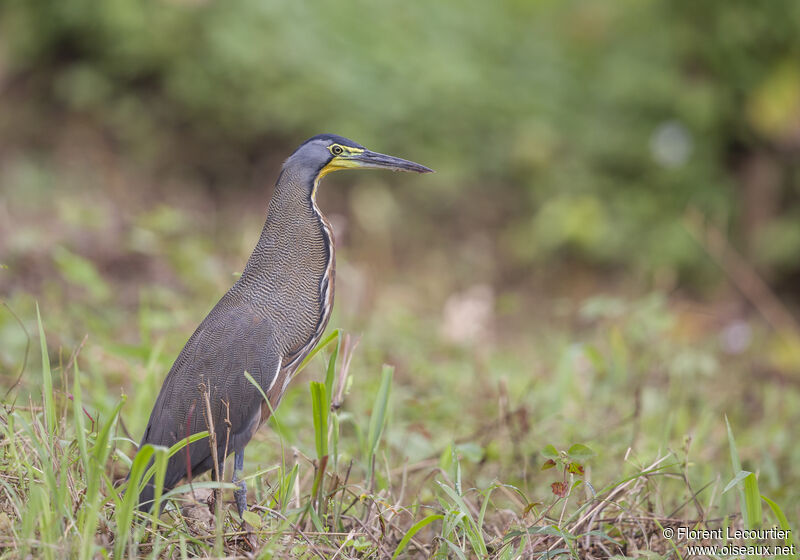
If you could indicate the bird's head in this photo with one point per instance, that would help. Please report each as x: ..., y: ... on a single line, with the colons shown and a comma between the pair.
x: 325, y: 153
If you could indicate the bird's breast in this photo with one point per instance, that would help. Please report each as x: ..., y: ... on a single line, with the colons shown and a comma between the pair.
x: 292, y: 284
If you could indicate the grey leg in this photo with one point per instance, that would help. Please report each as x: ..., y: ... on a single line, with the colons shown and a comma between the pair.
x: 240, y: 494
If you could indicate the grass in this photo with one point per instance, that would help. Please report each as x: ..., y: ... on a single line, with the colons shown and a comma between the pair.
x: 62, y: 494
x: 581, y: 429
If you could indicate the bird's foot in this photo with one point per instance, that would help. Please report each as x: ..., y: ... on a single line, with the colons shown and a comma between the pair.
x: 240, y: 494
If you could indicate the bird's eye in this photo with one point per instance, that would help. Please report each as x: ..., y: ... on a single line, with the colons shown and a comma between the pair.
x: 336, y: 150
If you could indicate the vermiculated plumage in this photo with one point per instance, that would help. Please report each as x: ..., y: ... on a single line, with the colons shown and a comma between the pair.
x: 269, y: 320
x: 266, y: 323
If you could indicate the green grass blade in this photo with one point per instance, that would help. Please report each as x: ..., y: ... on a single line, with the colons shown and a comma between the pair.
x: 455, y: 549
x: 198, y: 486
x: 472, y: 530
x: 77, y: 411
x: 752, y: 501
x: 172, y: 451
x: 482, y: 513
x: 124, y: 512
x: 671, y: 542
x: 272, y: 414
x: 335, y: 440
x: 99, y: 456
x: 101, y: 448
x: 740, y: 476
x: 378, y: 418
x: 47, y: 379
x: 86, y: 521
x: 160, y: 464
x: 330, y: 374
x: 737, y: 467
x: 140, y: 473
x: 415, y: 528
x: 320, y: 410
x: 782, y: 520
x: 95, y: 464
x: 327, y: 340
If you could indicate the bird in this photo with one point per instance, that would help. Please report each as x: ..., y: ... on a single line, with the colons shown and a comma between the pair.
x: 266, y: 324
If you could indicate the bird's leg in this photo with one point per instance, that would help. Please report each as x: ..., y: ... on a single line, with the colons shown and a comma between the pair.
x: 240, y: 494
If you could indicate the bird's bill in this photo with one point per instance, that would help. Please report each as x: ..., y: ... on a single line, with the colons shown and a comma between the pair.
x: 369, y: 159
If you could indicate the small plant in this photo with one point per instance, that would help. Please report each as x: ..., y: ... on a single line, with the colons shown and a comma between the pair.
x: 571, y: 463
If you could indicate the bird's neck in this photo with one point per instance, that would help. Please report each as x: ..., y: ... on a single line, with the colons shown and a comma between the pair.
x: 295, y: 234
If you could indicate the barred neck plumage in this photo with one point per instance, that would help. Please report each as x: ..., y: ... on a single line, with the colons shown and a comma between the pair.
x: 289, y: 278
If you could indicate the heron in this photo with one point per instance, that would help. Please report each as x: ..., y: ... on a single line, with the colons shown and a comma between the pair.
x: 266, y: 324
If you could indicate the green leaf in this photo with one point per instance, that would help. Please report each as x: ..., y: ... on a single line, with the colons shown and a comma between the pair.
x: 446, y: 458
x: 252, y: 519
x: 740, y: 476
x: 575, y: 468
x: 470, y: 451
x: 81, y: 272
x: 580, y: 452
x: 550, y: 452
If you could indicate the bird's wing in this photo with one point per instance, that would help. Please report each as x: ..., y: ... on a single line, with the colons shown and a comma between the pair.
x: 230, y: 341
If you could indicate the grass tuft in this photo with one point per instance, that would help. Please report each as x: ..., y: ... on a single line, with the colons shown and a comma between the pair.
x: 350, y: 471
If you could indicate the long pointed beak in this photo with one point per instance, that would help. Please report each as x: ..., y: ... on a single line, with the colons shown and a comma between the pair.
x: 382, y: 161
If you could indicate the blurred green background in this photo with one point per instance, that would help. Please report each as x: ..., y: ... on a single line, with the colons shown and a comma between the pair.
x: 559, y: 129
x: 577, y: 130
x: 577, y: 145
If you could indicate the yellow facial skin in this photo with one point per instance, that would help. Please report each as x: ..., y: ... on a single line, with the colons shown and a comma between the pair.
x: 341, y: 160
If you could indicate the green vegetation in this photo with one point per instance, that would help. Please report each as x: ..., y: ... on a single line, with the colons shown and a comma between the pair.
x: 582, y: 128
x: 421, y: 463
x: 579, y: 333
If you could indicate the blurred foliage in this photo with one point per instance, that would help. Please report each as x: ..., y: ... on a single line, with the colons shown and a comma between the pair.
x: 568, y: 128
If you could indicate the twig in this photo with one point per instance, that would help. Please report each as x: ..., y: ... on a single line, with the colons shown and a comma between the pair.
x: 348, y: 349
x: 212, y: 434
x: 27, y: 350
x: 228, y: 425
x: 212, y: 441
